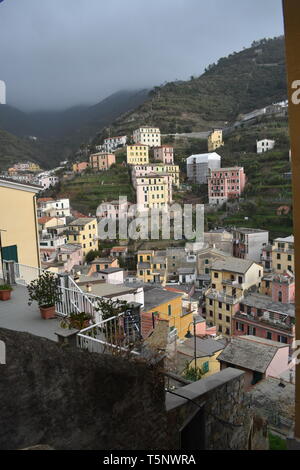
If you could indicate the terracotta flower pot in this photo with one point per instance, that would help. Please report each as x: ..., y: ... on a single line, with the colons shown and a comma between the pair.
x: 48, y: 312
x: 5, y: 294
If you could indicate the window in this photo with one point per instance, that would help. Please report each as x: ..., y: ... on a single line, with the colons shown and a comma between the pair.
x: 279, y: 296
x: 278, y: 256
x: 227, y: 307
x: 269, y: 335
x: 220, y: 316
x: 282, y: 339
x: 169, y: 310
x: 210, y: 302
x: 141, y: 273
x: 220, y: 304
x: 227, y: 319
x: 240, y: 280
x: 278, y: 266
x: 220, y: 329
x: 211, y: 313
x: 216, y: 275
x: 239, y: 326
x: 205, y: 367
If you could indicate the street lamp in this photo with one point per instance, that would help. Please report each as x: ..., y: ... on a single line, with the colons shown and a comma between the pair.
x: 189, y: 335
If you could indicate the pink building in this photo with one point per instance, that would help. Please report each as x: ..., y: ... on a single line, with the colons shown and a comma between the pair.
x: 260, y: 316
x: 225, y: 183
x: 70, y: 255
x: 258, y: 358
x: 164, y: 154
x: 79, y: 167
x: 102, y: 161
x: 113, y: 209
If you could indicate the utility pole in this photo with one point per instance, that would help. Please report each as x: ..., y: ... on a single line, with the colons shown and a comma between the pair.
x: 291, y: 10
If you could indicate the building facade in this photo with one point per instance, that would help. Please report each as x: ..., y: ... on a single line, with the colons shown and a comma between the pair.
x: 80, y: 166
x: 264, y: 145
x: 283, y: 255
x: 248, y: 243
x: 164, y: 154
x: 147, y: 136
x: 20, y: 240
x: 153, y: 191
x: 102, y: 161
x: 152, y: 266
x: 84, y: 231
x: 137, y: 154
x: 224, y: 184
x: 144, y: 170
x: 215, y: 140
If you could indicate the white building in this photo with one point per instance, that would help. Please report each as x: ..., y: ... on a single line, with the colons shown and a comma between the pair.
x: 147, y: 136
x: 112, y: 143
x: 199, y: 166
x: 53, y: 208
x: 2, y: 92
x: 46, y: 181
x: 264, y: 145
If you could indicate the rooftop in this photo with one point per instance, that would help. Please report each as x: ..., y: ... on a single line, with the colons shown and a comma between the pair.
x: 289, y: 239
x: 156, y: 296
x: 204, y: 347
x: 249, y: 230
x: 109, y: 290
x: 266, y: 303
x: 250, y: 352
x: 236, y: 265
x: 204, y: 157
x: 81, y: 221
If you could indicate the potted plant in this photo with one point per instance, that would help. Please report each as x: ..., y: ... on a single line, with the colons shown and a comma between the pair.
x: 76, y: 320
x: 5, y: 291
x: 44, y: 290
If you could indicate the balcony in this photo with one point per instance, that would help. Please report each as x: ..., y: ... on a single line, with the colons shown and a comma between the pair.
x: 275, y: 324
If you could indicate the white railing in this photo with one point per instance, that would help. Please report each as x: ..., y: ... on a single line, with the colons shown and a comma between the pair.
x: 25, y: 274
x: 75, y: 301
x: 118, y: 334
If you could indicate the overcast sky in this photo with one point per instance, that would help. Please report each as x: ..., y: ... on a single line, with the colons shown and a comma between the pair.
x: 60, y: 53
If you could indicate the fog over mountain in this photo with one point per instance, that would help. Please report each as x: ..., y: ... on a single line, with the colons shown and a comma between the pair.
x: 62, y: 53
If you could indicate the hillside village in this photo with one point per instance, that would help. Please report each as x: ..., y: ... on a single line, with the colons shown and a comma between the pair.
x: 224, y: 301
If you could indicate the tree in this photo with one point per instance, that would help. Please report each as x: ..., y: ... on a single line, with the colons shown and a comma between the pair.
x: 91, y: 255
x: 192, y: 373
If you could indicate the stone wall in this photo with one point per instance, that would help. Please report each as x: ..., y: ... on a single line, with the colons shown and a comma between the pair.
x: 228, y: 424
x: 71, y: 399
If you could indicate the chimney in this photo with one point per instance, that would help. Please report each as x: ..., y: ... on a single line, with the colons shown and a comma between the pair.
x: 89, y: 288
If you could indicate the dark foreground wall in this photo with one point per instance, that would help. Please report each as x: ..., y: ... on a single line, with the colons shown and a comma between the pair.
x: 71, y: 399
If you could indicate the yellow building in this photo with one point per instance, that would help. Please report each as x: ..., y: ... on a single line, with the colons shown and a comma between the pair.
x: 167, y: 306
x: 152, y: 266
x: 158, y: 169
x: 137, y: 154
x: 207, y: 352
x: 84, y: 231
x: 283, y: 255
x: 153, y: 191
x: 230, y: 279
x: 102, y: 161
x: 147, y: 136
x: 18, y: 221
x: 215, y: 140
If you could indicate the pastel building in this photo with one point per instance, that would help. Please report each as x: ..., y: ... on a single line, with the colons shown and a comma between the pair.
x: 68, y: 256
x: 102, y: 161
x: 80, y: 166
x: 264, y: 145
x: 260, y: 316
x: 147, y: 136
x: 215, y: 140
x: 20, y: 240
x: 47, y: 180
x: 153, y: 191
x: 144, y: 170
x: 152, y: 266
x: 48, y: 207
x: 199, y: 166
x: 230, y: 279
x: 83, y: 231
x: 283, y: 255
x: 113, y: 209
x: 225, y: 183
x: 280, y: 287
x: 164, y: 154
x: 137, y: 154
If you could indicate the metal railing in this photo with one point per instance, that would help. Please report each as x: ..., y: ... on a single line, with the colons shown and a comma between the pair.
x: 75, y: 301
x: 24, y: 274
x: 118, y: 334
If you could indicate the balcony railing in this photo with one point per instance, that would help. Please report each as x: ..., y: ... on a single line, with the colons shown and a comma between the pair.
x: 116, y: 335
x: 276, y: 324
